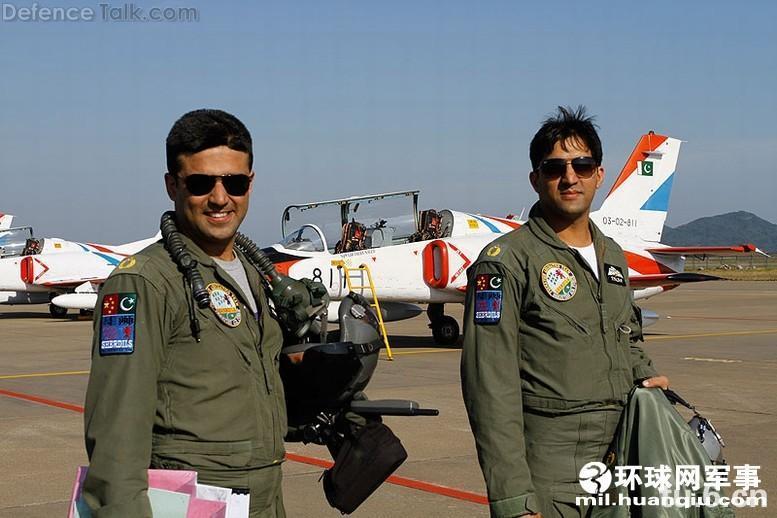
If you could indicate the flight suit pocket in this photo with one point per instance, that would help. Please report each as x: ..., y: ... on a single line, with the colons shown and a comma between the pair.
x: 570, y: 321
x: 622, y: 368
x: 202, y: 455
x: 211, y: 327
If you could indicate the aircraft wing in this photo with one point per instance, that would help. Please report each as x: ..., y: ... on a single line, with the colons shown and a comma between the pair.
x: 668, y: 279
x: 70, y: 282
x: 706, y: 250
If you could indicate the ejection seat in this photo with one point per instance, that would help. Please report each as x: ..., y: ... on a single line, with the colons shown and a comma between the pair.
x: 352, y: 237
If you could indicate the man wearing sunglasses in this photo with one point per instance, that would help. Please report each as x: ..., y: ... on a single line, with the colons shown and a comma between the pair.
x: 550, y: 335
x: 174, y: 385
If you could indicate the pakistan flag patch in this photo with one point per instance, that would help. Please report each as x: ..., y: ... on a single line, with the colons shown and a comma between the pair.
x: 488, y: 298
x: 117, y: 323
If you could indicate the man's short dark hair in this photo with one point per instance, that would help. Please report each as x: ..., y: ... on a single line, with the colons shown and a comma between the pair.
x: 199, y: 130
x: 566, y: 124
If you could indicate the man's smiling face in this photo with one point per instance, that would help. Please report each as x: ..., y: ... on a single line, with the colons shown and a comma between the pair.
x: 212, y: 219
x: 567, y: 197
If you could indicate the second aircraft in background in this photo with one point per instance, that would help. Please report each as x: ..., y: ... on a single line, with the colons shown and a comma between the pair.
x: 423, y: 257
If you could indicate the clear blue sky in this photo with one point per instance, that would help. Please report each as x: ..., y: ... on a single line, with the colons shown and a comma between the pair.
x: 353, y: 97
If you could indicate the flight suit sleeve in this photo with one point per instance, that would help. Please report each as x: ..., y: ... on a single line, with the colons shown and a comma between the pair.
x: 641, y: 364
x: 121, y: 397
x: 491, y: 386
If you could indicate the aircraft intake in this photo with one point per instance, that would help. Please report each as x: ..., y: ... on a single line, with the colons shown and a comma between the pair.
x: 435, y: 263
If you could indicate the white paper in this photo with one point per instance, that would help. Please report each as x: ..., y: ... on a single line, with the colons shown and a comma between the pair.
x: 238, y: 506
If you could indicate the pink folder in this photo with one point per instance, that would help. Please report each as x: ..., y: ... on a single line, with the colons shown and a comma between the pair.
x: 169, y: 480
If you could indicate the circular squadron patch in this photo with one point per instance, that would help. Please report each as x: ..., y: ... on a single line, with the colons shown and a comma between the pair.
x: 559, y: 281
x: 224, y: 304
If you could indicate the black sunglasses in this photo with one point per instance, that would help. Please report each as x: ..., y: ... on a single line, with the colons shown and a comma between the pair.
x: 202, y: 184
x: 584, y: 167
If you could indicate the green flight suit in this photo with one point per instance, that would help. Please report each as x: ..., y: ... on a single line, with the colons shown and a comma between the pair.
x: 214, y: 406
x: 544, y: 377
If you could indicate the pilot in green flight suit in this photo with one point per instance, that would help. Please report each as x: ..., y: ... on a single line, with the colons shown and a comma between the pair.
x: 158, y: 395
x: 550, y: 332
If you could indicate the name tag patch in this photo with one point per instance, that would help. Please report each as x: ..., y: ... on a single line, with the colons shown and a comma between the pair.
x: 488, y: 298
x: 615, y: 275
x: 117, y: 323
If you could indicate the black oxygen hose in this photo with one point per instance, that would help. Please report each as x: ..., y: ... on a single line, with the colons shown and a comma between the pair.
x: 188, y: 264
x: 183, y: 258
x: 257, y: 257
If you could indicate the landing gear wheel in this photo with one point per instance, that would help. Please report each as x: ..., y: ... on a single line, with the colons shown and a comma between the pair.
x: 56, y: 311
x: 445, y: 330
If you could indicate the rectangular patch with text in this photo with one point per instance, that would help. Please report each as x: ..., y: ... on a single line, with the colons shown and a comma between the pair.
x: 614, y: 275
x: 117, y: 323
x: 488, y: 298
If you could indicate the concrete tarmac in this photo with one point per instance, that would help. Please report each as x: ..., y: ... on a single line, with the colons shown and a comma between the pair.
x: 716, y: 341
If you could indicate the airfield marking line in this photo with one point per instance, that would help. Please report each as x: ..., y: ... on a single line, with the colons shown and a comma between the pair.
x: 42, y: 401
x: 713, y: 360
x: 41, y: 374
x: 706, y: 335
x: 695, y: 317
x: 420, y: 485
x: 427, y: 351
x: 402, y: 481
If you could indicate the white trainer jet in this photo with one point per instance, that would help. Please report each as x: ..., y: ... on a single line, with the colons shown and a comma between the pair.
x: 65, y: 273
x: 423, y: 257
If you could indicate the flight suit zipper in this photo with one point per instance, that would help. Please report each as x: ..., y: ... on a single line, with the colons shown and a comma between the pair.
x: 260, y: 349
x: 597, y: 292
x: 603, y: 316
x: 268, y: 384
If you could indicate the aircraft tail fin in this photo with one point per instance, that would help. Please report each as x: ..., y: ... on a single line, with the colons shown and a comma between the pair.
x: 5, y: 221
x: 635, y: 209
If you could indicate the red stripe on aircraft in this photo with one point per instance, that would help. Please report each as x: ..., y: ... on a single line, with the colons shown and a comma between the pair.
x: 283, y: 268
x: 646, y: 143
x: 466, y: 260
x: 510, y: 223
x: 45, y: 269
x: 106, y: 250
x: 645, y: 266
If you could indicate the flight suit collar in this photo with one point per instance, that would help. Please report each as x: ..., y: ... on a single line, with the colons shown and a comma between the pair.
x: 540, y: 228
x: 207, y: 261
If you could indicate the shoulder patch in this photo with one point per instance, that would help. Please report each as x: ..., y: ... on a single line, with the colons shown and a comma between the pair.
x: 614, y: 274
x: 488, y: 298
x: 494, y: 251
x: 127, y: 262
x: 559, y: 281
x: 117, y: 323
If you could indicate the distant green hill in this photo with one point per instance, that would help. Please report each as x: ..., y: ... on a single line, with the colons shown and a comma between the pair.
x: 734, y: 228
